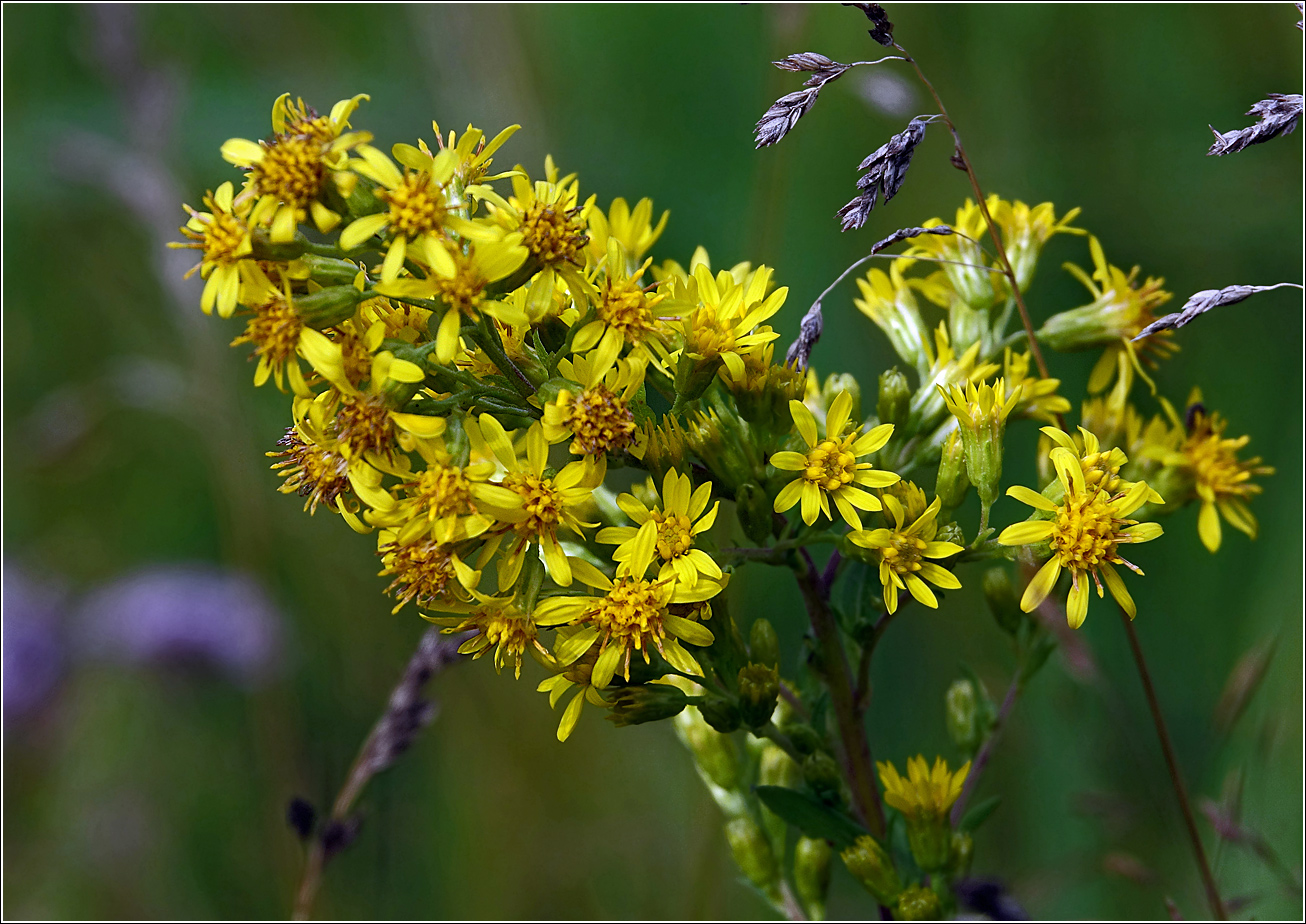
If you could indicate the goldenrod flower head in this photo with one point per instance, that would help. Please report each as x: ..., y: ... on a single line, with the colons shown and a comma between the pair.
x: 830, y: 467
x: 578, y: 674
x: 624, y: 312
x: 498, y: 623
x: 633, y: 229
x: 888, y: 301
x: 426, y: 572
x: 472, y: 154
x: 670, y: 527
x: 981, y: 408
x: 548, y: 215
x: 274, y: 329
x: 927, y: 791
x: 946, y: 369
x: 1220, y: 480
x: 902, y: 551
x: 547, y: 502
x: 598, y: 417
x: 459, y: 280
x: 1084, y: 533
x: 633, y: 615
x: 872, y: 866
x: 1025, y: 230
x: 287, y: 173
x: 1037, y: 397
x: 445, y: 501
x: 222, y: 236
x: 312, y: 470
x: 1101, y: 466
x: 727, y: 320
x: 977, y: 286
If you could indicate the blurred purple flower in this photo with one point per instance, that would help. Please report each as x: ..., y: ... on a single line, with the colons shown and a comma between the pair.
x: 33, y: 648
x: 188, y: 614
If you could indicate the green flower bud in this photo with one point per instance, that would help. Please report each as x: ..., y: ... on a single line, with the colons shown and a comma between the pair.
x: 763, y: 643
x: 649, y: 703
x: 721, y: 713
x: 753, y: 855
x: 894, y: 401
x: 951, y: 532
x: 837, y: 384
x: 963, y: 728
x: 804, y: 738
x: 754, y: 511
x: 1002, y: 600
x: 812, y: 874
x: 981, y: 414
x: 930, y: 839
x: 262, y: 247
x: 759, y: 687
x: 918, y: 904
x: 456, y: 442
x: 872, y: 867
x: 963, y: 851
x: 952, y: 483
x: 822, y: 774
x: 328, y: 307
x: 328, y: 271
x: 714, y: 753
x: 694, y: 377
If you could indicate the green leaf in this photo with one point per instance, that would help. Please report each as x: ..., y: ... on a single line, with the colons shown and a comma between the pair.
x: 978, y: 814
x: 809, y: 816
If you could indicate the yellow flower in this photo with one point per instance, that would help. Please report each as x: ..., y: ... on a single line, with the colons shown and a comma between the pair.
x: 670, y: 528
x: 927, y: 792
x: 727, y: 321
x: 426, y: 572
x: 633, y: 615
x: 472, y: 154
x: 312, y: 470
x: 624, y: 312
x: 460, y: 283
x: 1101, y: 467
x: 578, y: 674
x: 1121, y: 307
x: 498, y: 623
x: 901, y: 551
x: 946, y: 369
x: 888, y: 301
x: 449, y: 502
x: 598, y: 417
x: 829, y: 468
x: 223, y: 238
x: 968, y: 270
x: 1221, y: 481
x: 632, y: 228
x: 1084, y: 531
x: 274, y: 329
x: 1037, y: 397
x: 288, y: 172
x: 420, y: 208
x: 1025, y: 230
x: 547, y: 502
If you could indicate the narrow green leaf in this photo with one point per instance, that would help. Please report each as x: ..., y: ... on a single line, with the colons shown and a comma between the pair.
x: 810, y: 816
x: 978, y: 814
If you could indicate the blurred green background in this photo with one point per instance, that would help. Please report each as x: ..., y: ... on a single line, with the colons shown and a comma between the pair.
x: 158, y: 721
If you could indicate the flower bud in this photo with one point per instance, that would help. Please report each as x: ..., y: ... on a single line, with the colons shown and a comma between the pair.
x: 963, y: 851
x: 930, y: 839
x: 981, y: 414
x: 951, y: 532
x: 838, y: 383
x: 649, y: 703
x: 894, y: 401
x: 917, y: 903
x: 263, y: 247
x: 763, y: 643
x: 328, y: 271
x: 872, y: 867
x: 713, y: 753
x: 822, y: 774
x: 1002, y: 600
x: 963, y: 728
x: 759, y: 687
x: 328, y: 307
x: 755, y: 511
x: 952, y: 483
x: 693, y: 376
x: 721, y: 713
x: 804, y: 738
x: 812, y: 874
x: 753, y: 855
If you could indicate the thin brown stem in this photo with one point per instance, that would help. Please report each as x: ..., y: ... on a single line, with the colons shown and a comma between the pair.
x: 986, y: 749
x: 1176, y: 780
x: 1007, y: 269
x: 855, y: 747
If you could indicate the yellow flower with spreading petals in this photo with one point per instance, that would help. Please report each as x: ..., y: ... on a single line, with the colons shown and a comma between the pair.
x: 633, y: 615
x: 1084, y: 532
x: 427, y: 573
x: 830, y: 467
x: 288, y: 173
x: 549, y: 216
x: 902, y: 551
x: 724, y: 320
x: 498, y: 623
x: 420, y: 208
x: 632, y: 228
x: 1101, y: 467
x: 624, y: 313
x: 670, y: 528
x: 459, y: 282
x: 598, y: 417
x: 222, y: 236
x: 547, y: 502
x: 578, y: 674
x: 1038, y: 398
x: 449, y: 502
x: 274, y: 329
x: 1220, y: 479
